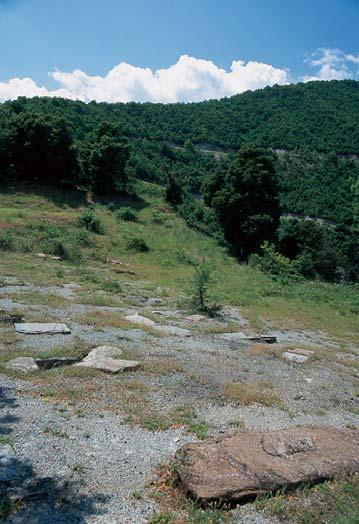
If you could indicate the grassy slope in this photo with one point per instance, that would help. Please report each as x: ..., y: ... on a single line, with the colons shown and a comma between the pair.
x: 174, y: 249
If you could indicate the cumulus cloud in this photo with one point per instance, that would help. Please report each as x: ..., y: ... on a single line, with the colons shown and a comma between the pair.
x: 332, y: 64
x: 188, y: 80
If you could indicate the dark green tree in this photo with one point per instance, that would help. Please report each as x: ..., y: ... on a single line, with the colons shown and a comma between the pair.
x: 174, y: 189
x: 41, y: 149
x: 103, y: 161
x: 245, y: 199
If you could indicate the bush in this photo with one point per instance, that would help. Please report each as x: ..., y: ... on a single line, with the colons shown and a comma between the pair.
x: 137, y: 244
x: 278, y: 266
x: 91, y: 222
x: 128, y: 214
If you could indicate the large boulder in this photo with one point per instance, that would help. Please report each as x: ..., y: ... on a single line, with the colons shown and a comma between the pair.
x: 253, y: 463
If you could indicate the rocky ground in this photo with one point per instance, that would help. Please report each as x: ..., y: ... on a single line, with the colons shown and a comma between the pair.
x: 81, y: 445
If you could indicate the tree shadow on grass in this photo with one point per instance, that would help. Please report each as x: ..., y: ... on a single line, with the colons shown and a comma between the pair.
x: 61, y: 197
x: 28, y: 498
x: 119, y: 200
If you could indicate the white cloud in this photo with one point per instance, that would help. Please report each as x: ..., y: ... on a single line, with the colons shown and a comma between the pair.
x: 188, y: 80
x: 333, y: 64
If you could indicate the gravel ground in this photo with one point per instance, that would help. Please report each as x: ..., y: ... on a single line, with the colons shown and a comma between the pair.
x: 83, y: 463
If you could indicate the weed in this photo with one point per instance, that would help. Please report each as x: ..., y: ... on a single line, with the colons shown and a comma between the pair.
x: 6, y: 440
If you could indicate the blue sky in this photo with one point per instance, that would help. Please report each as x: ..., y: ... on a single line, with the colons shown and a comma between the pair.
x: 294, y: 39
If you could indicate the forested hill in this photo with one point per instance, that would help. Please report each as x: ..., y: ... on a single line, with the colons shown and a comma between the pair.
x: 324, y: 116
x: 67, y: 143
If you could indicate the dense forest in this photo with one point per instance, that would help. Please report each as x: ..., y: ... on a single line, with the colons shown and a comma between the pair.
x: 303, y: 138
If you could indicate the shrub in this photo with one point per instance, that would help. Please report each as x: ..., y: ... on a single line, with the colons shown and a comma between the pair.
x: 158, y: 217
x: 128, y: 214
x: 91, y: 222
x: 111, y: 286
x: 200, y: 289
x: 111, y: 207
x: 7, y: 242
x: 137, y: 244
x: 278, y: 266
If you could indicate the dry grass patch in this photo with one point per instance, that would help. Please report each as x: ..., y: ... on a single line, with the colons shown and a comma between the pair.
x: 174, y: 506
x: 98, y: 299
x: 102, y: 319
x: 272, y: 350
x: 243, y: 394
x: 161, y: 367
x: 38, y: 298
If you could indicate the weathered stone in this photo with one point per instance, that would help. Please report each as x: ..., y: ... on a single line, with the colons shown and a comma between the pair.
x: 295, y: 357
x: 253, y: 463
x: 236, y: 336
x: 55, y: 362
x: 24, y: 364
x: 232, y: 313
x: 140, y: 320
x: 105, y: 358
x: 153, y: 301
x: 196, y: 318
x: 39, y: 328
x: 300, y: 351
x: 173, y: 330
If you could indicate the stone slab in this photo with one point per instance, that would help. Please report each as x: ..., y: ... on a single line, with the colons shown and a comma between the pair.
x: 253, y: 463
x: 106, y: 358
x: 42, y: 328
x: 295, y: 357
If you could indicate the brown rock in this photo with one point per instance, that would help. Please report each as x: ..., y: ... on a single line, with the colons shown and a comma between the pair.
x: 253, y: 463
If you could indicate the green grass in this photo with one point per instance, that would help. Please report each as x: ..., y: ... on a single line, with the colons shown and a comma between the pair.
x: 174, y: 249
x: 332, y: 502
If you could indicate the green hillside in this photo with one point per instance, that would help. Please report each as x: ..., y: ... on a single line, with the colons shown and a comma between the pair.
x: 309, y: 131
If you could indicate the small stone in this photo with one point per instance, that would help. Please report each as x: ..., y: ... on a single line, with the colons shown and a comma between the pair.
x: 24, y: 364
x: 40, y: 328
x: 140, y: 320
x: 295, y: 357
x: 195, y: 318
